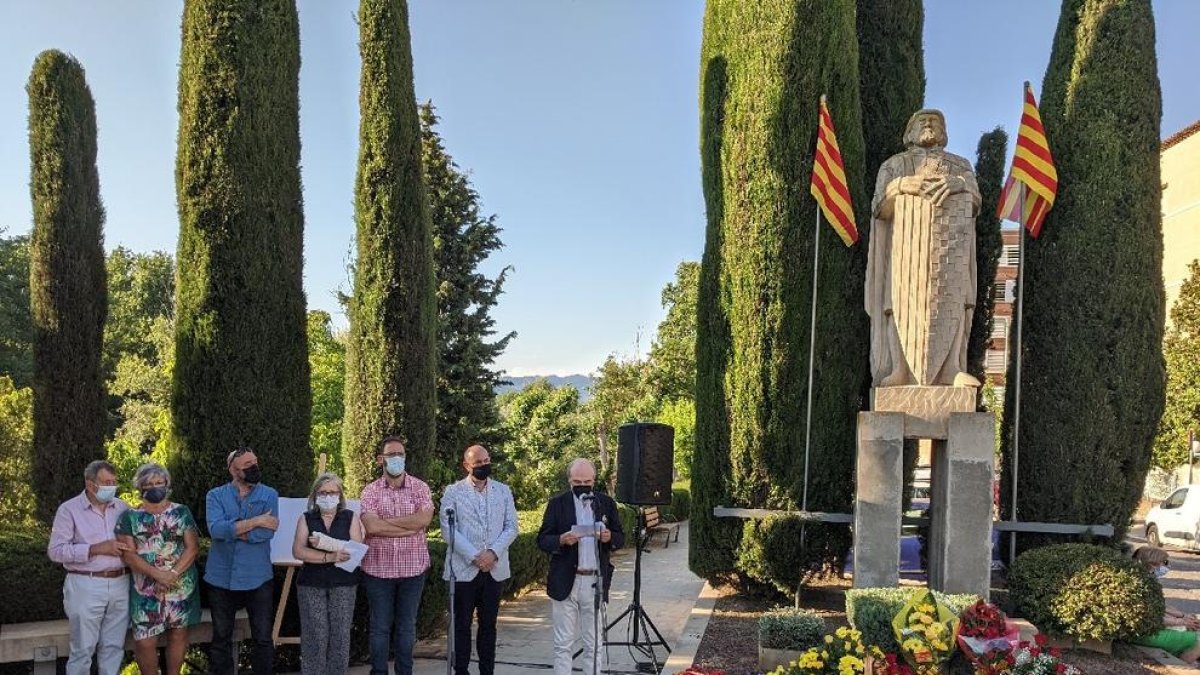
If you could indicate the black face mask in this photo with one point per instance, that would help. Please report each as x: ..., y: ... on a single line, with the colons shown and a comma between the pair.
x: 581, y: 490
x: 252, y: 474
x: 482, y: 471
x: 154, y: 495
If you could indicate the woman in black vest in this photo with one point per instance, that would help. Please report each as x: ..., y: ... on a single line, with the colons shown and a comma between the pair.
x: 326, y: 592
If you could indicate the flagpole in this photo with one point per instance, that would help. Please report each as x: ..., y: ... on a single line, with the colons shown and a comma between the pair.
x: 812, y: 351
x: 1016, y: 444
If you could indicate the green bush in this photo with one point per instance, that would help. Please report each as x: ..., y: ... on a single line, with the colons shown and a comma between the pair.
x: 629, y: 521
x: 795, y: 629
x: 23, y: 562
x: 1086, y: 592
x: 871, y: 611
x: 681, y: 504
x: 770, y: 550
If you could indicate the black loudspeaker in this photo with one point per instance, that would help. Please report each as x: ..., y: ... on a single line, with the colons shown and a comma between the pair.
x: 645, y: 463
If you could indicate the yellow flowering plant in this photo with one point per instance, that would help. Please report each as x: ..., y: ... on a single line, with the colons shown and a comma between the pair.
x: 842, y: 653
x: 926, y: 631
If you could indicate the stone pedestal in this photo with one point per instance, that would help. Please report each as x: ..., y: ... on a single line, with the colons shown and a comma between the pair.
x: 877, y: 508
x: 962, y: 501
x: 926, y: 410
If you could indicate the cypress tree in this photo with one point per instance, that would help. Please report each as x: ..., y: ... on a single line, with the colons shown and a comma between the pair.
x: 241, y: 354
x: 66, y: 279
x: 1093, y: 373
x: 989, y: 174
x: 391, y: 358
x: 891, y: 73
x: 463, y: 238
x: 764, y: 67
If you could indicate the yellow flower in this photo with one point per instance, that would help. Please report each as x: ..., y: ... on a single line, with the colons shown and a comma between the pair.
x: 828, y: 639
x: 842, y: 632
x: 926, y: 608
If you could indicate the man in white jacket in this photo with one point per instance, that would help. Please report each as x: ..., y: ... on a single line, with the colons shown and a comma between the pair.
x: 485, y: 521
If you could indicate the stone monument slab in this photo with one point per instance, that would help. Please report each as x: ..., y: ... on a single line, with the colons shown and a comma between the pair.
x: 926, y: 410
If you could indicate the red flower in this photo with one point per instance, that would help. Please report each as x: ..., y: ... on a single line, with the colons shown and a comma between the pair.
x: 1041, y: 639
x: 1060, y: 668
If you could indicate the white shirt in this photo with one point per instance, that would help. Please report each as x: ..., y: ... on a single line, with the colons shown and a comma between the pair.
x: 584, y: 515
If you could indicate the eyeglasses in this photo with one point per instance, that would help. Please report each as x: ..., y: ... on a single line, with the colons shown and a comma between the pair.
x: 329, y: 494
x: 392, y: 454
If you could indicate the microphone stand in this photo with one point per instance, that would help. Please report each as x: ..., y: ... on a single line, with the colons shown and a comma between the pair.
x: 451, y: 583
x: 597, y: 595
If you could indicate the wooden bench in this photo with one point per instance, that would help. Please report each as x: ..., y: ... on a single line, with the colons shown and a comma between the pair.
x: 44, y: 642
x: 656, y: 523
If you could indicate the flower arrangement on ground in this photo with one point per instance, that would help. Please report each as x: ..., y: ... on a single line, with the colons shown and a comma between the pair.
x: 696, y: 670
x: 886, y: 663
x: 986, y: 637
x: 1037, y: 659
x: 842, y: 653
x: 926, y: 631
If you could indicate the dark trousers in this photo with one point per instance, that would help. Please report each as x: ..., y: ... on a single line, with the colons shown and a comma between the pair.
x: 224, y: 604
x: 394, y: 604
x: 480, y: 594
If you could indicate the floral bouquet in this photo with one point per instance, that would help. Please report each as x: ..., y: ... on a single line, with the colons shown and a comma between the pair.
x: 887, y: 664
x: 925, y: 630
x: 985, y: 634
x: 842, y: 654
x: 1036, y: 659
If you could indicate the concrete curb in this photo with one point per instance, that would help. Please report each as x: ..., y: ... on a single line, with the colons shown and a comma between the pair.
x: 1172, y: 664
x: 684, y: 651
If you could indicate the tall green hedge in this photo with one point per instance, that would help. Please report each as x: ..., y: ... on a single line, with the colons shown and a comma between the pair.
x: 391, y: 359
x: 764, y: 67
x: 1093, y: 373
x: 241, y: 354
x: 67, y: 280
x: 989, y: 173
x: 891, y: 72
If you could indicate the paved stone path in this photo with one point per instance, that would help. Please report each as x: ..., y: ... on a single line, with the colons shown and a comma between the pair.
x: 525, y: 643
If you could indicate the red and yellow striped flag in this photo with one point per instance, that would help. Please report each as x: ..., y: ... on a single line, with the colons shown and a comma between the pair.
x: 828, y: 185
x: 1033, y: 180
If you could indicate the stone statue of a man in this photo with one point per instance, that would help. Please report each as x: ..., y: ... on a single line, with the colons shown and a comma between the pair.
x: 920, y: 284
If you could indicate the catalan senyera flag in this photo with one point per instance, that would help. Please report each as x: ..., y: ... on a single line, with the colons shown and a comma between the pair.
x: 1033, y: 180
x: 828, y: 185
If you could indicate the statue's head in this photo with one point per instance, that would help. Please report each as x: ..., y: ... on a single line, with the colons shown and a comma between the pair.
x: 926, y: 128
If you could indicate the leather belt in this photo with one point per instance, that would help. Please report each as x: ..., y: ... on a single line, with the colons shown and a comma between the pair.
x: 107, y: 574
x: 582, y: 573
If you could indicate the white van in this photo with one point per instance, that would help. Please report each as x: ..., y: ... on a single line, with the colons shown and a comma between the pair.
x: 1176, y: 521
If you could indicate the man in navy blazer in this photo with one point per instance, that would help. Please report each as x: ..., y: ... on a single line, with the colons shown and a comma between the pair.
x: 574, y: 561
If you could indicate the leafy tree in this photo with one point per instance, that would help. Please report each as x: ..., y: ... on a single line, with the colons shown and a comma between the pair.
x: 1093, y: 385
x: 141, y: 288
x: 764, y: 67
x: 391, y: 356
x: 620, y: 394
x: 544, y: 432
x: 66, y: 279
x: 327, y: 361
x: 16, y: 322
x: 891, y: 72
x: 680, y: 413
x: 467, y: 347
x: 17, y: 501
x: 673, y: 354
x: 989, y: 244
x: 1182, y: 351
x: 241, y: 363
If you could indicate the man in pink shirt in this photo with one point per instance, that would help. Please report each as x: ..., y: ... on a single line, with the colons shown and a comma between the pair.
x: 96, y: 591
x: 396, y: 509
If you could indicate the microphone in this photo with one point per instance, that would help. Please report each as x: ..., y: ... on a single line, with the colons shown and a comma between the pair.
x: 450, y: 512
x: 587, y: 497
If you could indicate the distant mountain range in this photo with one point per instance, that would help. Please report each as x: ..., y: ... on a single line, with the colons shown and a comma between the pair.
x: 581, y: 382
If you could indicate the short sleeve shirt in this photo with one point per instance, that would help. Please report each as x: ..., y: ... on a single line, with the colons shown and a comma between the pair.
x: 396, y: 557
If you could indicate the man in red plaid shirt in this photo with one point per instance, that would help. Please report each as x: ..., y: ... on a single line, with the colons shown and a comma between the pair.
x: 396, y: 509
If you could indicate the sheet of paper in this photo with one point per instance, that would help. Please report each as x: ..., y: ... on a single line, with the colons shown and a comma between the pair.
x: 582, y: 531
x: 356, y: 551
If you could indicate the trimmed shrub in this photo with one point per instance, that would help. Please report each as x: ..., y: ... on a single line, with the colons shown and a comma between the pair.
x: 391, y: 353
x: 794, y: 629
x: 1086, y: 592
x: 681, y: 504
x: 67, y: 288
x: 629, y: 522
x: 241, y: 372
x: 891, y: 71
x: 23, y: 560
x: 871, y: 611
x: 771, y: 552
x: 989, y: 244
x: 764, y: 66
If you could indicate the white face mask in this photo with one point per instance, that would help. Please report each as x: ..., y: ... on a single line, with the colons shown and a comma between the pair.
x: 106, y: 493
x: 328, y: 502
x: 1161, y: 571
x: 394, y: 465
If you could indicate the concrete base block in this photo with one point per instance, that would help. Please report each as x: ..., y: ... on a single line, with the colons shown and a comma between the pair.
x: 926, y: 410
x: 877, y: 507
x: 962, y: 519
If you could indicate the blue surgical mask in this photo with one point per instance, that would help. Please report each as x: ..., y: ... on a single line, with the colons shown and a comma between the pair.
x: 1161, y: 571
x: 394, y: 466
x: 154, y: 495
x: 106, y: 493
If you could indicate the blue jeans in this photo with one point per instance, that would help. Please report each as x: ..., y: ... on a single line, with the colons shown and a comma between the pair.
x: 394, y: 604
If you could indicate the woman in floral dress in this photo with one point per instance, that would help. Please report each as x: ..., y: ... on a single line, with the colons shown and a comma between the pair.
x: 164, y: 596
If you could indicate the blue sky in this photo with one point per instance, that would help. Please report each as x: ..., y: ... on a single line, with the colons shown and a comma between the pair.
x: 577, y: 118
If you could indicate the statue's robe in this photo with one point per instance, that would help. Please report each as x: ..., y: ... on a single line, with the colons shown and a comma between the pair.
x: 921, y: 271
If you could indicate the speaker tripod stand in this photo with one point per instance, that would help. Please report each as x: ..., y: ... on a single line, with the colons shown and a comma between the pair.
x: 644, y: 635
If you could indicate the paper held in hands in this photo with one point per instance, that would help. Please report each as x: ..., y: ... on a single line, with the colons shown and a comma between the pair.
x: 356, y: 551
x: 583, y: 531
